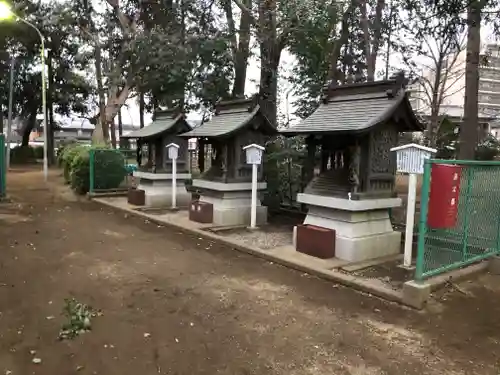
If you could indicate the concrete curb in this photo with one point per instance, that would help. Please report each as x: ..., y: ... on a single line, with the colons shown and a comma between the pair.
x: 457, y: 275
x: 336, y: 276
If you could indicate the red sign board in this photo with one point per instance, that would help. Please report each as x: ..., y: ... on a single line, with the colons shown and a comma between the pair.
x: 443, y: 197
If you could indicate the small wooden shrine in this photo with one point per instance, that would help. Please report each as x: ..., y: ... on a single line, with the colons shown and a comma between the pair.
x: 225, y: 188
x: 155, y: 169
x: 355, y: 127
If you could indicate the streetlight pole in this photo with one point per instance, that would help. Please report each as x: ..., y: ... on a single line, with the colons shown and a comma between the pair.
x: 6, y: 12
x: 9, y: 123
x: 44, y: 96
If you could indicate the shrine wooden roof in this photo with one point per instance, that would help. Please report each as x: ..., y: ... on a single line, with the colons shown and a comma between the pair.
x: 231, y: 117
x: 163, y: 122
x: 359, y: 107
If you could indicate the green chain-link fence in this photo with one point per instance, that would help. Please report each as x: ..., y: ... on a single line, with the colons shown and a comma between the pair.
x: 3, y: 166
x: 451, y: 238
x: 111, y: 170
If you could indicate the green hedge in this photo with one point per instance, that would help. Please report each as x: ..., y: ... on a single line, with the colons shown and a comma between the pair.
x: 22, y: 155
x: 80, y: 171
x: 66, y: 158
x: 64, y: 145
x: 38, y: 152
x: 110, y: 168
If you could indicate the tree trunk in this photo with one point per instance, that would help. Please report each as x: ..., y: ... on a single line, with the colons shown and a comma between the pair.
x: 270, y: 53
x: 141, y: 110
x: 112, y: 129
x: 120, y: 124
x: 333, y: 74
x: 270, y: 59
x: 435, y: 104
x: 30, y: 125
x: 389, y: 37
x: 116, y: 99
x: 242, y: 53
x: 432, y: 127
x: 184, y: 5
x: 101, y: 131
x: 372, y: 33
x: 120, y: 130
x: 469, y: 126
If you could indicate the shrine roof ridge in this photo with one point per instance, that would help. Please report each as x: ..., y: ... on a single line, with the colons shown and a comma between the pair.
x: 414, y: 145
x: 172, y: 112
x: 359, y: 107
x: 235, y: 105
x: 161, y: 125
x: 228, y: 122
x: 390, y: 87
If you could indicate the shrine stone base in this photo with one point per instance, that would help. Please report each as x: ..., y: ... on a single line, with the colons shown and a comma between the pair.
x: 158, y: 188
x: 231, y: 201
x: 363, y: 227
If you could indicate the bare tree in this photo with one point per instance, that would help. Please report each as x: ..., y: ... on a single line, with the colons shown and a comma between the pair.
x: 112, y: 79
x: 90, y: 32
x: 436, y: 61
x: 119, y: 84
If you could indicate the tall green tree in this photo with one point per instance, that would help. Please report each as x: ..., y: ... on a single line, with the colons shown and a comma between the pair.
x: 68, y: 91
x: 273, y: 22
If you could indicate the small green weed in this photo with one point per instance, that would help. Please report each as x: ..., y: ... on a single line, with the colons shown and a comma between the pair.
x: 79, y: 316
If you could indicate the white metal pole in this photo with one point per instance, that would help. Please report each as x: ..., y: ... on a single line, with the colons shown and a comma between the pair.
x: 410, y: 219
x: 253, y: 217
x: 44, y: 97
x: 174, y: 183
x: 45, y: 122
x: 9, y: 121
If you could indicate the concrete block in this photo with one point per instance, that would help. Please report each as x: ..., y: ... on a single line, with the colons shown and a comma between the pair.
x: 416, y: 294
x: 368, y: 247
x: 158, y: 199
x: 494, y: 265
x: 346, y: 204
x: 237, y: 216
x: 231, y: 204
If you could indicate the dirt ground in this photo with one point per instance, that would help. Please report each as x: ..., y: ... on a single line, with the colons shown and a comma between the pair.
x: 174, y: 304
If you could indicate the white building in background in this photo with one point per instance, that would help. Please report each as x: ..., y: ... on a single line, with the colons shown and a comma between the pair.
x: 454, y: 94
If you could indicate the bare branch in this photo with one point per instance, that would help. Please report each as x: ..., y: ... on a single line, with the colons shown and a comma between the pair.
x: 243, y: 8
x: 432, y: 54
x: 128, y: 25
x: 427, y: 86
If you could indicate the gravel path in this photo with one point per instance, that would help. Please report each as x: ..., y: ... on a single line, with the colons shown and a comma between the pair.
x: 265, y: 240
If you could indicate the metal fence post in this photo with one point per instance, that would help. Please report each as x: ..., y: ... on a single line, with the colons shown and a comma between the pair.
x: 91, y: 171
x: 465, y: 230
x: 3, y: 166
x: 424, y: 206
